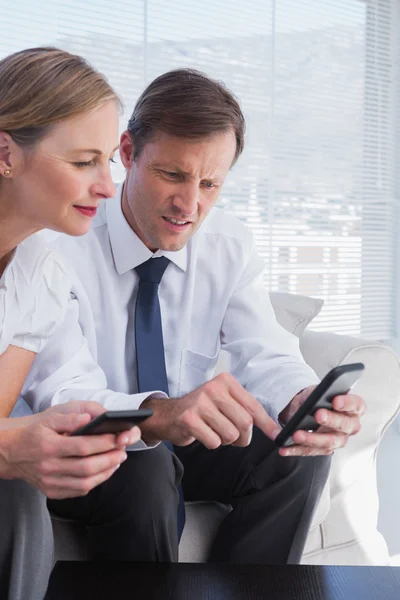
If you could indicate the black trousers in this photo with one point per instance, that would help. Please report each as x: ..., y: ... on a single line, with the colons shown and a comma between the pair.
x: 273, y: 498
x: 133, y: 516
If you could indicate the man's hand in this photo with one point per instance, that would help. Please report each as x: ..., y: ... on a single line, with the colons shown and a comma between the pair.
x: 336, y: 426
x: 44, y: 455
x: 220, y: 412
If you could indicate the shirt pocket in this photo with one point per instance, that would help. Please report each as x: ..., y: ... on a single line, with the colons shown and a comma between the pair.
x: 195, y: 369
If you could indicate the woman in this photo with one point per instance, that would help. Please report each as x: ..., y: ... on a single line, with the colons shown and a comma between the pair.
x: 58, y: 134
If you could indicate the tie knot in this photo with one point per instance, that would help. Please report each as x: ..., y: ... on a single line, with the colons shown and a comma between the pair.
x: 153, y: 269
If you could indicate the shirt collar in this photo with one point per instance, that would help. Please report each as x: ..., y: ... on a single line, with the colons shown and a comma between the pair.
x: 128, y: 250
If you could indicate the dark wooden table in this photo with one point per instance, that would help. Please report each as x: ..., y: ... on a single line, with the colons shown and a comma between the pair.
x: 149, y: 581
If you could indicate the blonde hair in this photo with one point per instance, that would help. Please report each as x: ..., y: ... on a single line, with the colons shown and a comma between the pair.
x: 41, y: 86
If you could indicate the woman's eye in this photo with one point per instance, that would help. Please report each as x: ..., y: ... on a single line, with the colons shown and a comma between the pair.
x: 112, y: 160
x: 83, y: 163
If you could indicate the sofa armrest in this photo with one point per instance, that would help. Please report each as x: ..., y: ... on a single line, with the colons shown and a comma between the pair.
x: 379, y: 385
x: 353, y: 490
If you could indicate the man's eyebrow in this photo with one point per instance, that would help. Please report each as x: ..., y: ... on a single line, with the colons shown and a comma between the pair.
x: 164, y: 167
x: 180, y: 171
x: 94, y: 150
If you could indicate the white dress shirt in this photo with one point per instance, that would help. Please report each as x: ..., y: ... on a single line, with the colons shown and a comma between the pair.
x: 34, y: 293
x: 211, y: 298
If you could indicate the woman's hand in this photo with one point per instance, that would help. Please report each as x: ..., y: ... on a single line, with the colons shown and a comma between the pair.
x: 45, y: 455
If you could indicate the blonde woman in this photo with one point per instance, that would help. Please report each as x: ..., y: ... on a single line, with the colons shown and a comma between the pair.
x: 58, y: 134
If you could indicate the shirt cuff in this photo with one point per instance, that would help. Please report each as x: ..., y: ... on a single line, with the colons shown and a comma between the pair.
x: 111, y: 401
x: 119, y: 401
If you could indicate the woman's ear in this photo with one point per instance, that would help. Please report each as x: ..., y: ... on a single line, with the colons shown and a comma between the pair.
x: 10, y: 155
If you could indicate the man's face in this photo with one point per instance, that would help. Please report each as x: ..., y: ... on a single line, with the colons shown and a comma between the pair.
x: 172, y: 185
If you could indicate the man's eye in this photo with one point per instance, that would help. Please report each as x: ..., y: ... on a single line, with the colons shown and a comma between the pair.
x: 209, y: 184
x: 172, y: 174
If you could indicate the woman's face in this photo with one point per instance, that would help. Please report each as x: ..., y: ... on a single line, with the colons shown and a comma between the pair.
x: 60, y: 184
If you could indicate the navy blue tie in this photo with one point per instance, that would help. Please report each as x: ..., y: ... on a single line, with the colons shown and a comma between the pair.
x: 150, y: 359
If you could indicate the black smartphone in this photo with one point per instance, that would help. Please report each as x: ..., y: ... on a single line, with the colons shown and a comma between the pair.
x: 337, y: 382
x: 114, y: 421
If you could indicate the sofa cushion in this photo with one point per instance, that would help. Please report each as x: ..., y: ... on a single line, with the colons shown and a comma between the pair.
x: 202, y: 522
x: 295, y: 312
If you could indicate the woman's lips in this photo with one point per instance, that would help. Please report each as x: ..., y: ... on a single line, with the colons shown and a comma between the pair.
x: 88, y: 211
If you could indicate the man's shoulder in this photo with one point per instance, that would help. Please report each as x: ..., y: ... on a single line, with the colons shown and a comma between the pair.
x: 225, y: 226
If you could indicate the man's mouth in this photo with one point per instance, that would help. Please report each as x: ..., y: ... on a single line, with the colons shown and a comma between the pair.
x: 176, y: 224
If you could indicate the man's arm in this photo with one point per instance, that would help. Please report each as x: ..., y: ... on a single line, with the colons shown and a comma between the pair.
x: 264, y: 357
x: 65, y: 370
x: 267, y: 361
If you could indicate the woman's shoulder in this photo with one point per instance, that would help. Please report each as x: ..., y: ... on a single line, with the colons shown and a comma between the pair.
x: 42, y: 285
x: 36, y: 261
x: 34, y: 295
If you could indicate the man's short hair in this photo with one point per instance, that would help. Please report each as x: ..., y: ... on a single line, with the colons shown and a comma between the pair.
x: 187, y: 104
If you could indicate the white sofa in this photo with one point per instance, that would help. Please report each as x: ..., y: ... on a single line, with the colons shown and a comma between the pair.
x: 344, y: 529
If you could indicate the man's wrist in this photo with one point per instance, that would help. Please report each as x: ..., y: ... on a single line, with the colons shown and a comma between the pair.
x: 287, y: 413
x: 150, y: 401
x: 149, y: 436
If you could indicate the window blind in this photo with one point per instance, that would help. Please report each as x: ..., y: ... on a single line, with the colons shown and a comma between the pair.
x: 317, y: 80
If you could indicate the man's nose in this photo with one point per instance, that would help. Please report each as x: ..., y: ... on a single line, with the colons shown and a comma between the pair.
x: 187, y: 199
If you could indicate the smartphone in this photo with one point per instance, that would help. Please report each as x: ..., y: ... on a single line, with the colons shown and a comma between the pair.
x: 114, y: 421
x: 337, y: 382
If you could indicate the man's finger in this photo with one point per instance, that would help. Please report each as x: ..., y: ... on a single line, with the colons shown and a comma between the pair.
x: 323, y: 441
x: 344, y: 423
x: 304, y: 451
x: 258, y: 413
x: 199, y: 430
x: 350, y: 403
x: 223, y: 427
x: 244, y: 439
x: 237, y: 415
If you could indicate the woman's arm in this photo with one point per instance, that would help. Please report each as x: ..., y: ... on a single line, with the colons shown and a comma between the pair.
x: 15, y: 364
x: 37, y: 450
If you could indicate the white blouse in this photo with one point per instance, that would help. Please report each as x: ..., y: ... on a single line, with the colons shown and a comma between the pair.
x: 34, y: 293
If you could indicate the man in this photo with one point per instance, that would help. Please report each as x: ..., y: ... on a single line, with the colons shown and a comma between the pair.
x: 160, y: 246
